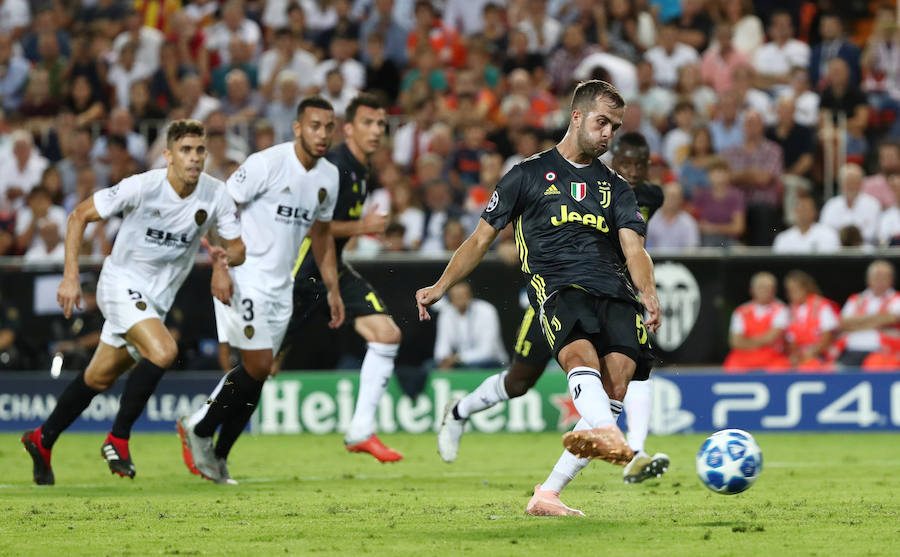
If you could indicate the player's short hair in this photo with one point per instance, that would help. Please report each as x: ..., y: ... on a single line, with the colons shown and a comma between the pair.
x: 313, y: 102
x: 589, y: 91
x: 632, y: 140
x: 363, y: 99
x: 183, y: 128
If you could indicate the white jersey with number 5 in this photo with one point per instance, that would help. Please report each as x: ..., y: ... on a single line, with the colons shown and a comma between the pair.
x: 279, y: 199
x: 161, y: 232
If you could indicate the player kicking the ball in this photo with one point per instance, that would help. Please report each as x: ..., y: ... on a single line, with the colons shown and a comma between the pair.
x: 631, y: 158
x: 366, y: 122
x: 283, y: 193
x: 166, y: 213
x: 573, y: 217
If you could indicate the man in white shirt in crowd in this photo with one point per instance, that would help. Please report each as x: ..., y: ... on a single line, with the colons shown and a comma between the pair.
x: 669, y: 55
x: 21, y: 169
x: 853, y: 207
x: 147, y: 39
x: 672, y: 226
x: 889, y: 225
x: 869, y: 319
x: 285, y: 55
x: 234, y: 23
x: 468, y: 332
x: 773, y: 61
x: 807, y: 235
x: 39, y: 212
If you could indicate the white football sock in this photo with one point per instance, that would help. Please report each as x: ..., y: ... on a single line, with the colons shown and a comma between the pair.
x: 491, y: 391
x: 201, y: 413
x: 589, y: 397
x: 616, y: 408
x: 638, y: 403
x: 377, y: 367
x: 567, y: 467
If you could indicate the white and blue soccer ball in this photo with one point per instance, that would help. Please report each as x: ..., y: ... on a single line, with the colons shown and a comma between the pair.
x: 729, y: 461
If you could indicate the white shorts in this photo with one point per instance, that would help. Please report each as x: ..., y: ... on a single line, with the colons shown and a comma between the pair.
x: 122, y: 302
x: 219, y: 310
x: 257, y: 320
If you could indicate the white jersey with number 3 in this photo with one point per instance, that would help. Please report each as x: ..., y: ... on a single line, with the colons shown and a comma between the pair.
x: 279, y: 199
x: 161, y: 232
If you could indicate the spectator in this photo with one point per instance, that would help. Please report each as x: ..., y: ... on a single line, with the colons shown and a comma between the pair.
x: 727, y: 129
x: 382, y: 74
x: 851, y: 237
x: 10, y: 324
x: 234, y: 24
x: 242, y: 104
x: 126, y: 71
x: 748, y: 29
x: 381, y: 22
x: 44, y: 25
x: 806, y: 236
x: 611, y: 68
x: 720, y: 210
x: 669, y: 55
x: 15, y: 15
x: 542, y: 105
x: 39, y: 107
x: 20, y: 169
x: 412, y: 138
x: 814, y: 321
x: 748, y: 96
x: 806, y: 101
x: 690, y: 86
x: 196, y: 104
x: 240, y: 58
x: 78, y: 155
x: 320, y: 15
x: 282, y: 110
x: 285, y: 55
x: 775, y: 59
x: 756, y: 333
x: 53, y: 63
x: 393, y: 238
x: 889, y: 225
x: 656, y: 102
x: 219, y: 155
x: 14, y: 76
x: 39, y: 227
x: 526, y: 146
x: 677, y: 142
x: 342, y: 58
x: 693, y: 174
x: 454, y: 235
x: 695, y: 26
x: 543, y: 31
x: 869, y: 319
x: 465, y: 161
x: 852, y: 207
x: 121, y: 124
x: 843, y: 98
x: 121, y: 163
x: 672, y: 227
x: 833, y: 46
x: 495, y: 32
x: 519, y: 56
x: 430, y: 31
x: 165, y: 80
x: 720, y: 60
x: 797, y: 146
x: 468, y: 332
x: 344, y: 26
x: 337, y: 92
x: 439, y: 209
x: 562, y: 63
x: 405, y: 213
x: 888, y: 164
x: 87, y: 106
x: 147, y: 40
x: 148, y: 116
x: 881, y: 67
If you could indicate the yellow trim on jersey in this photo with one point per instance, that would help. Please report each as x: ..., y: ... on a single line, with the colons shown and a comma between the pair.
x: 520, y: 243
x: 523, y: 330
x: 304, y: 249
x: 540, y: 288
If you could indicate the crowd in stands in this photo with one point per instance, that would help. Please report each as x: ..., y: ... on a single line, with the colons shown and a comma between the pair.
x: 741, y: 103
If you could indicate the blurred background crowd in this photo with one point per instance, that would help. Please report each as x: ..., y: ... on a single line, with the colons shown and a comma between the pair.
x: 768, y: 122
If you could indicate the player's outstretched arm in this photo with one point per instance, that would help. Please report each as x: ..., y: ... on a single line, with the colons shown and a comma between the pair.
x: 464, y: 260
x: 322, y: 244
x: 69, y: 292
x: 640, y: 267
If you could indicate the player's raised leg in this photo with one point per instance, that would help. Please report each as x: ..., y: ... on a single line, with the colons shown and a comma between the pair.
x: 158, y: 350
x: 107, y: 364
x: 383, y: 337
x: 638, y: 405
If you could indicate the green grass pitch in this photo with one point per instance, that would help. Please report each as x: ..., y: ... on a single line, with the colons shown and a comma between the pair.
x: 830, y: 494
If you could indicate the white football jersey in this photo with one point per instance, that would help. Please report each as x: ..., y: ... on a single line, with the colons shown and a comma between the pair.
x: 160, y: 231
x: 279, y: 200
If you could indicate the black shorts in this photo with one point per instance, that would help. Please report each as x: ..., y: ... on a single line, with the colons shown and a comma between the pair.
x: 311, y: 299
x: 531, y: 347
x: 611, y: 325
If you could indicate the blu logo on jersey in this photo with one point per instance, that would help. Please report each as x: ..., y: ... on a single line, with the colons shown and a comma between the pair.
x: 285, y: 212
x: 161, y: 237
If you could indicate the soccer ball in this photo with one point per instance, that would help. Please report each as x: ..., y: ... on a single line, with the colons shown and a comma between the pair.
x: 729, y: 461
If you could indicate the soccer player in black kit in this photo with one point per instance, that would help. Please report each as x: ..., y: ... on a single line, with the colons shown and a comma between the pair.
x: 531, y: 354
x: 364, y: 127
x: 572, y: 218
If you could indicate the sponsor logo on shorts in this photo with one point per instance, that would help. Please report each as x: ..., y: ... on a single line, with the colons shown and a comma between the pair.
x: 200, y: 217
x: 249, y: 331
x: 141, y: 305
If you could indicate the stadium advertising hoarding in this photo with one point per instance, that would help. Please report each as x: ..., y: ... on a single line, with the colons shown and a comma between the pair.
x: 323, y: 403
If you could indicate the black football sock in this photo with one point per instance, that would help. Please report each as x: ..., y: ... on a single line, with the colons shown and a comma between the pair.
x: 142, y: 381
x: 235, y: 424
x: 237, y: 392
x: 72, y: 402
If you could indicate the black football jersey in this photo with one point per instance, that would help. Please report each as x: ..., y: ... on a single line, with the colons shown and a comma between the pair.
x: 649, y: 199
x: 566, y: 222
x: 353, y: 188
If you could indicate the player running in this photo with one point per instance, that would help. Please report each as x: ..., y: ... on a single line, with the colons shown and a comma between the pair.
x: 166, y: 213
x: 582, y: 216
x: 631, y: 158
x: 365, y: 125
x: 283, y: 193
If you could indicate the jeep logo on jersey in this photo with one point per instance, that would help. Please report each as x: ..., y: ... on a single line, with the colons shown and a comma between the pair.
x: 166, y: 238
x: 200, y: 217
x: 679, y: 301
x: 594, y: 221
x: 579, y: 190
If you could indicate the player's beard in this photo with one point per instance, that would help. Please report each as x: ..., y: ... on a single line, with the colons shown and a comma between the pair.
x: 309, y: 150
x: 586, y: 146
